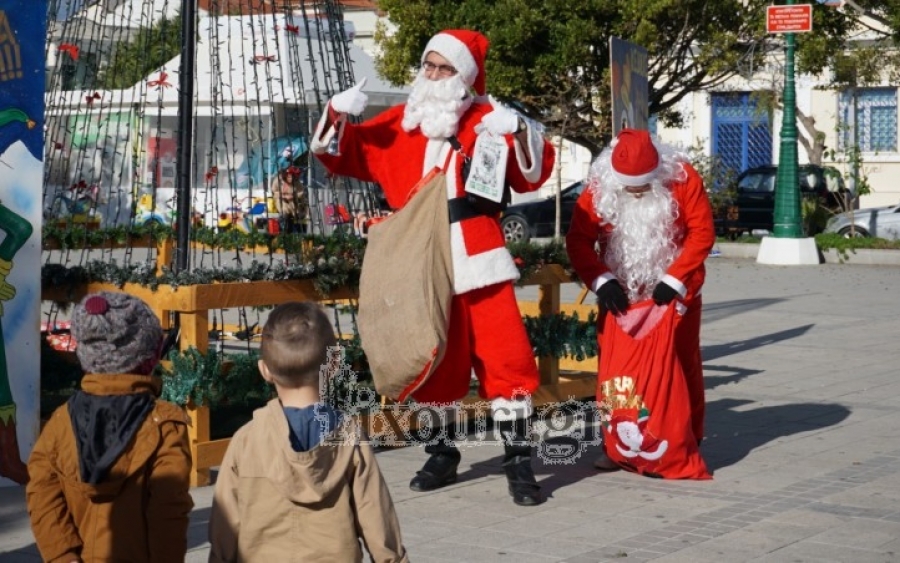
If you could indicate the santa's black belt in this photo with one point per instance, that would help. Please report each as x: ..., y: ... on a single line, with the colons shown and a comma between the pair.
x: 468, y: 207
x: 462, y: 208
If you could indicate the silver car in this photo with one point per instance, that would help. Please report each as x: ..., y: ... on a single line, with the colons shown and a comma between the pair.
x: 881, y: 222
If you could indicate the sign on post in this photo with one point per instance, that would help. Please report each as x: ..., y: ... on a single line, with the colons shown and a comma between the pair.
x: 630, y: 92
x: 789, y: 19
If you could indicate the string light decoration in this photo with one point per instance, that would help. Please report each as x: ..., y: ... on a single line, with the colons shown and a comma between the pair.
x: 263, y: 72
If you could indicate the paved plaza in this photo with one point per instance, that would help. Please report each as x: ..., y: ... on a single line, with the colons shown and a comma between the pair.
x: 802, y: 371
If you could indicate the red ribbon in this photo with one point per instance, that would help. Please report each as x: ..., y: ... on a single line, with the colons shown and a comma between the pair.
x: 211, y: 173
x: 161, y: 82
x: 90, y: 98
x: 264, y: 59
x: 295, y: 29
x: 293, y: 171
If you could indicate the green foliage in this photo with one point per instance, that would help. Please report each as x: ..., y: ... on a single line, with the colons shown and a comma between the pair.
x: 531, y: 257
x: 204, y: 379
x: 136, y: 58
x: 562, y: 336
x: 80, y: 237
x: 329, y: 261
x: 827, y: 241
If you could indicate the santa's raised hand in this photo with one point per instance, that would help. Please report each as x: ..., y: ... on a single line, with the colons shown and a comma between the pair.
x: 501, y: 121
x: 352, y: 101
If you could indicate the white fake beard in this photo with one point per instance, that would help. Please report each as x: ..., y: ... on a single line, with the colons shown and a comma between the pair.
x: 436, y: 106
x: 641, y: 245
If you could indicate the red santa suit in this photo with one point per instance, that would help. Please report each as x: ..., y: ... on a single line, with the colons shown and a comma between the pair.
x: 486, y: 330
x: 694, y: 237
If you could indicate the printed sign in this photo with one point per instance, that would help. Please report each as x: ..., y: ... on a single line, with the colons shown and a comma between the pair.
x: 789, y: 19
x: 488, y: 173
x: 630, y: 93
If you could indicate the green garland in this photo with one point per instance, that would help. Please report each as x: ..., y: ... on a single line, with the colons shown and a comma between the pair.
x: 563, y: 336
x: 331, y: 261
x: 204, y: 379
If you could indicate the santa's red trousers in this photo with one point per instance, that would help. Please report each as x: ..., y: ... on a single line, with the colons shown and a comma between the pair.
x: 687, y: 347
x: 486, y: 334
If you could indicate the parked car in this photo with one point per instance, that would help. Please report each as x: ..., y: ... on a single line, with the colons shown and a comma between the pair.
x: 523, y: 221
x: 880, y: 222
x: 752, y: 197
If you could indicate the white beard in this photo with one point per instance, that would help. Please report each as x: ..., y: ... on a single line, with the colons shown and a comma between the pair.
x: 435, y: 106
x: 641, y: 245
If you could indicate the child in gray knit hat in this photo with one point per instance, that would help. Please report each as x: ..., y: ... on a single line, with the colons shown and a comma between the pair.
x: 114, y: 448
x: 116, y: 333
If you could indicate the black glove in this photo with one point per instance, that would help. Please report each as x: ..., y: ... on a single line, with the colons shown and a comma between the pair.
x: 612, y: 297
x: 663, y: 294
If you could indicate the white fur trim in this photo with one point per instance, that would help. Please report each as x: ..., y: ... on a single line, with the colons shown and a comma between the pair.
x: 321, y: 138
x: 598, y: 283
x: 480, y: 270
x: 535, y: 151
x: 503, y: 410
x: 456, y: 52
x: 634, y: 181
x: 675, y: 284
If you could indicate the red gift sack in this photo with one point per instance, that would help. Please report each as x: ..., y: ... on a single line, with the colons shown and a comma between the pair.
x: 643, y: 397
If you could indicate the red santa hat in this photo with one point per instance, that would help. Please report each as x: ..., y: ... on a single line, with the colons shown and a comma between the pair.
x: 635, y: 159
x: 466, y: 50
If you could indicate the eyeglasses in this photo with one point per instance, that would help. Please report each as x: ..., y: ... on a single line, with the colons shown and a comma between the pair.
x: 443, y: 70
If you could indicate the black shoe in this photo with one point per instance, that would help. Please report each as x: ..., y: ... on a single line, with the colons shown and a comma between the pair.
x: 438, y: 471
x: 523, y: 486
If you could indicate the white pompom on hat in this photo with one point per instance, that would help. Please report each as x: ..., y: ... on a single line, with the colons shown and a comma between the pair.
x: 635, y: 159
x: 466, y: 50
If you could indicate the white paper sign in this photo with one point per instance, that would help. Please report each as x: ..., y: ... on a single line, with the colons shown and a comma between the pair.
x: 487, y: 175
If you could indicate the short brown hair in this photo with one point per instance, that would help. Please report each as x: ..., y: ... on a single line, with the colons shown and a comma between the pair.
x: 295, y: 343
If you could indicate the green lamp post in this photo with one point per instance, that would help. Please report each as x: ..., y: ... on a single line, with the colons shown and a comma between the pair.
x: 787, y: 196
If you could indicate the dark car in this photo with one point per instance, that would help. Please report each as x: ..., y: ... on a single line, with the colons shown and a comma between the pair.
x: 752, y: 198
x: 524, y: 221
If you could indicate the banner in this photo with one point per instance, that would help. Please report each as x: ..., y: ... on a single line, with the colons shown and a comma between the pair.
x: 22, y: 38
x: 630, y: 93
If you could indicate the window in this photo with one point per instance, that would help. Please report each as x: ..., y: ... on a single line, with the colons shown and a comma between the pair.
x: 875, y: 119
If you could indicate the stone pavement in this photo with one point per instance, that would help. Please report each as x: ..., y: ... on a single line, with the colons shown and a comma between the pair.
x: 803, y: 437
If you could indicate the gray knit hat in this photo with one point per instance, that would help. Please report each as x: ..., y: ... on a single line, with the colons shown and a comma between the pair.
x: 115, y: 333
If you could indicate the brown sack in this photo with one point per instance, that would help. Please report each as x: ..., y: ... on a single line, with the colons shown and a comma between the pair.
x: 405, y: 289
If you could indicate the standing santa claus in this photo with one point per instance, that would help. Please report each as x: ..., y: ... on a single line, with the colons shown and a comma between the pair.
x: 438, y: 126
x: 641, y: 230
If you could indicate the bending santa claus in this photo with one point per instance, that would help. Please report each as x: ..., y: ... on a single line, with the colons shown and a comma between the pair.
x: 641, y: 230
x: 438, y: 126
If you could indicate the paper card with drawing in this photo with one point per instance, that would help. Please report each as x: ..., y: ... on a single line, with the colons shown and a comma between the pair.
x: 487, y: 174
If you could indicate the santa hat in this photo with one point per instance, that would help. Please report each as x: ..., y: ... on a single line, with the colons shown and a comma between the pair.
x: 635, y: 159
x: 466, y: 50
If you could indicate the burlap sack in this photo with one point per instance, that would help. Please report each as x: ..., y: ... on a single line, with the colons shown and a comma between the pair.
x: 405, y: 289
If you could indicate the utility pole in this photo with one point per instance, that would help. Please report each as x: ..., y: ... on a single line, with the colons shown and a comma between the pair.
x: 787, y: 245
x: 787, y: 196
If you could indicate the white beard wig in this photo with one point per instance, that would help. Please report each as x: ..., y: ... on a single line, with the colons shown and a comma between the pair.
x: 436, y: 106
x: 643, y: 242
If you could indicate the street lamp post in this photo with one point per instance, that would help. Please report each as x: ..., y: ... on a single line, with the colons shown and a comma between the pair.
x: 787, y: 197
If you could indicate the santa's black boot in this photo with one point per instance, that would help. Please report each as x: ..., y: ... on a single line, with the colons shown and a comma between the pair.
x: 439, y: 470
x: 523, y: 486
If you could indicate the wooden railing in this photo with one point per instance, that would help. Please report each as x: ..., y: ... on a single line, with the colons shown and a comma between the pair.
x: 560, y: 379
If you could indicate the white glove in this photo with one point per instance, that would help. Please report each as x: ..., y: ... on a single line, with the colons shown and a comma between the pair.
x: 501, y: 121
x: 352, y: 101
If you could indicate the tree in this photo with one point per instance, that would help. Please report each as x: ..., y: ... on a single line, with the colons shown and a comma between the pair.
x: 551, y: 58
x: 151, y: 48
